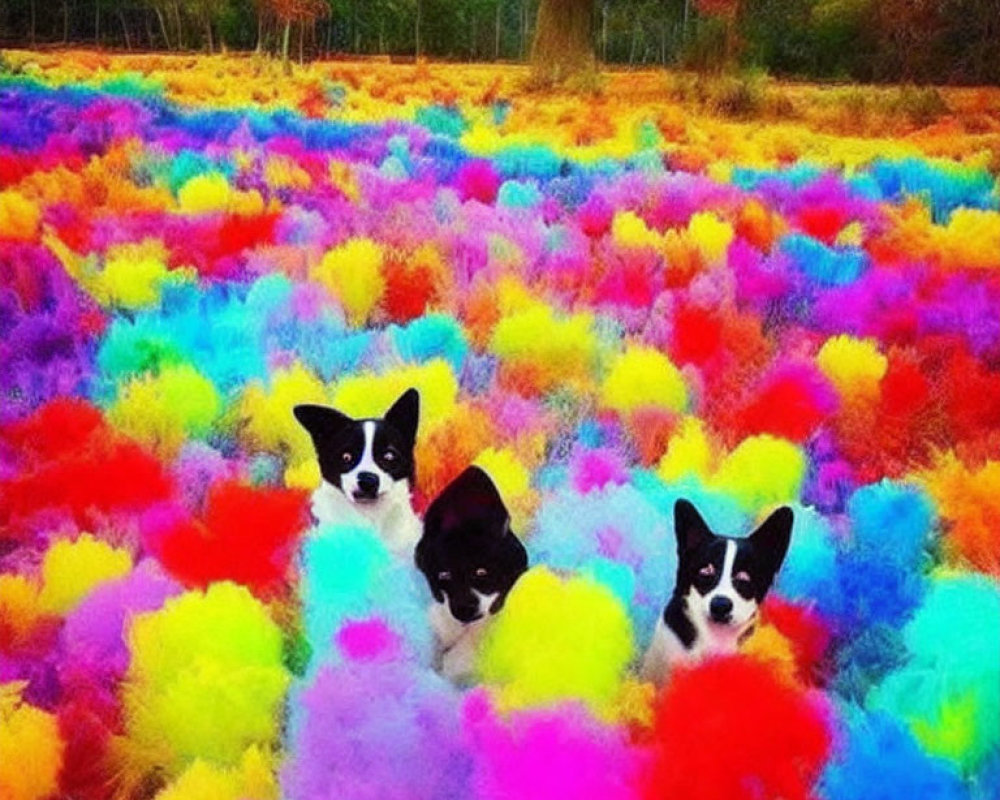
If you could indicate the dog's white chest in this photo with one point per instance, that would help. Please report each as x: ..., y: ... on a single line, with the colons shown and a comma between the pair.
x: 457, y: 641
x: 665, y: 651
x: 392, y: 516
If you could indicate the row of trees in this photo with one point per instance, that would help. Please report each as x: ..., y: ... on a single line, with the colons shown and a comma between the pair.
x: 910, y: 40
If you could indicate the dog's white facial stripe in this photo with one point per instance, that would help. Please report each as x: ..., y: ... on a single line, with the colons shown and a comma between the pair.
x: 485, y: 601
x: 349, y: 480
x: 713, y: 637
x: 743, y: 609
x: 725, y: 585
x: 367, y: 463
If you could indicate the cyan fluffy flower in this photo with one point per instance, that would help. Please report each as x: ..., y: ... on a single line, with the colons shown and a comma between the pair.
x: 348, y: 574
x: 880, y: 760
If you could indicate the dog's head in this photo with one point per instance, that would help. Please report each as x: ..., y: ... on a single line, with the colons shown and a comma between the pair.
x: 364, y: 458
x: 723, y: 580
x: 468, y: 553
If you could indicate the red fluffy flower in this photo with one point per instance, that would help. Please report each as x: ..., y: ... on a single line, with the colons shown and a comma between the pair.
x: 805, y: 630
x: 730, y: 729
x: 247, y: 535
x: 790, y: 402
x: 697, y: 335
x: 69, y: 460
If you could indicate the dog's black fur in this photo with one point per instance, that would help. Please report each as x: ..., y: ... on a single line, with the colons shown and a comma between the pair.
x: 340, y: 441
x: 758, y: 555
x: 721, y: 582
x: 467, y: 546
x: 368, y: 469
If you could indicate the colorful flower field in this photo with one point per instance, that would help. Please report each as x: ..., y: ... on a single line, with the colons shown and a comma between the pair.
x: 608, y: 304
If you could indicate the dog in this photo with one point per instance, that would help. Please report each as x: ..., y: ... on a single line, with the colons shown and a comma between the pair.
x: 471, y: 560
x: 368, y: 468
x: 721, y: 582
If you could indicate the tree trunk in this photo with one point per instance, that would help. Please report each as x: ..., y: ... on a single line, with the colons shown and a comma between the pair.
x: 562, y: 48
x: 149, y: 30
x: 302, y: 33
x: 416, y: 29
x: 523, y: 15
x: 128, y: 41
x: 356, y: 30
x: 208, y: 34
x: 496, y: 32
x: 32, y: 23
x: 180, y: 28
x: 97, y: 23
x: 163, y: 27
x: 604, y: 32
x: 65, y: 6
x: 284, y: 47
x: 730, y: 39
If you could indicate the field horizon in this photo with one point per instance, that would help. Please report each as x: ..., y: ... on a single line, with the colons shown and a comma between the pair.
x: 733, y: 290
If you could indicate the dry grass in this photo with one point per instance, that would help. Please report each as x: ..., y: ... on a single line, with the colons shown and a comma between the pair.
x: 701, y: 118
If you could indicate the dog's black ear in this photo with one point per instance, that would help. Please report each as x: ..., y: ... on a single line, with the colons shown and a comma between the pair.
x: 471, y: 499
x: 420, y: 555
x: 513, y: 560
x: 771, y: 539
x: 689, y: 527
x: 404, y: 415
x: 515, y: 557
x: 322, y: 422
x: 421, y: 559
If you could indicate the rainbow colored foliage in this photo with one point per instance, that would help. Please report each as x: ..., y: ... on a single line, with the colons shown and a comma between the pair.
x: 605, y: 304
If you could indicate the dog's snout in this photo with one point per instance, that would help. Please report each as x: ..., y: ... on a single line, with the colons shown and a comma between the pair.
x: 465, y: 610
x: 368, y: 483
x: 721, y: 609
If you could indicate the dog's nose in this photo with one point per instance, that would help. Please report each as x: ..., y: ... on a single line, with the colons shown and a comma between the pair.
x: 368, y: 483
x: 721, y: 609
x: 465, y: 610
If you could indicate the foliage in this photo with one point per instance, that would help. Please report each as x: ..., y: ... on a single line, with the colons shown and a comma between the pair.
x: 904, y: 41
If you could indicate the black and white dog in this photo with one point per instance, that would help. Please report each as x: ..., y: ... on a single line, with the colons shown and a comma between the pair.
x: 367, y: 467
x: 471, y: 559
x: 721, y: 582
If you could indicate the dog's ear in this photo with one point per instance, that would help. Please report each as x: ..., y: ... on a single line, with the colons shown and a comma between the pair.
x: 404, y: 415
x: 471, y: 499
x: 771, y: 539
x: 689, y: 527
x: 422, y: 560
x: 420, y: 555
x: 514, y: 556
x: 322, y: 422
x: 513, y: 560
x: 475, y: 490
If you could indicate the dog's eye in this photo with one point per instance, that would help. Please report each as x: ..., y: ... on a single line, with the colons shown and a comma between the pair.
x: 389, y: 455
x: 481, y: 572
x: 346, y: 457
x: 444, y: 576
x: 707, y: 571
x: 741, y: 577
